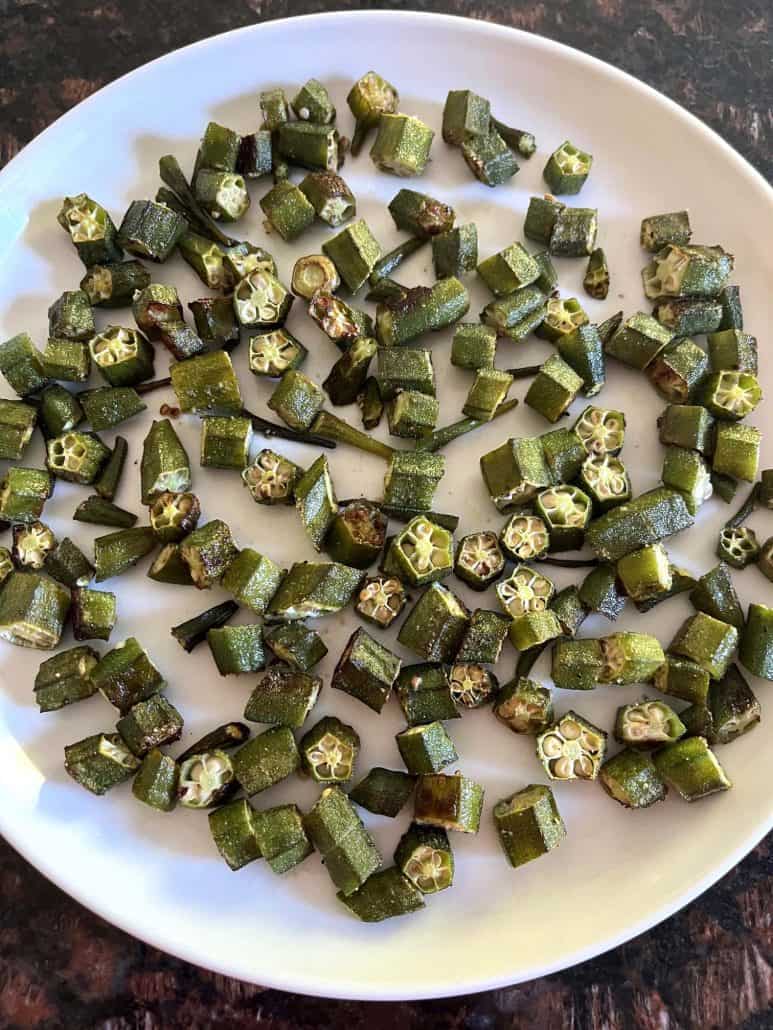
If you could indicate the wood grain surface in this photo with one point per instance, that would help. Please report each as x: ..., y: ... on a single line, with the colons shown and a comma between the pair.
x: 709, y: 966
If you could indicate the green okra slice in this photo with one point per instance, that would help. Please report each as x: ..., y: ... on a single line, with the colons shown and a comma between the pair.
x: 733, y: 350
x: 566, y: 511
x: 261, y: 301
x: 563, y: 315
x: 127, y: 675
x: 354, y: 251
x: 225, y: 442
x: 312, y: 589
x: 192, y: 632
x: 345, y: 846
x: 524, y: 706
x: 423, y: 552
x: 150, y: 724
x: 541, y: 216
x: 731, y: 395
x: 489, y: 389
x: 309, y: 145
x: 315, y: 501
x: 215, y: 321
x: 569, y: 609
x: 489, y: 158
x: 691, y: 768
x: 22, y: 365
x: 287, y: 209
x: 645, y: 520
x: 174, y: 515
x: 473, y: 346
x: 281, y: 837
x: 76, y: 457
x: 33, y: 610
x: 274, y: 108
x: 515, y: 472
x: 402, y: 145
x: 123, y: 356
x: 329, y: 751
x: 567, y: 169
x: 91, y: 229
x: 577, y: 664
x: 67, y: 360
x: 517, y: 314
x: 421, y: 309
x: 525, y: 591
x: 645, y: 573
x: 424, y: 857
x: 99, y: 762
x: 686, y: 471
x: 528, y: 824
x: 65, y: 678
x: 738, y: 546
x: 605, y: 480
x: 331, y: 198
x: 601, y: 431
x: 271, y: 478
x: 426, y: 748
x: 682, y: 678
x: 707, y: 641
x: 208, y: 551
x: 384, y: 895
x: 734, y: 708
x: 169, y: 567
x: 233, y: 831
x: 267, y: 759
x: 369, y: 98
x: 419, y: 214
x: 596, y: 279
x: 472, y: 685
x: 574, y: 232
x: 631, y: 778
x: 729, y: 299
x: 206, y: 777
x: 688, y: 426
x: 412, y: 479
x: 435, y: 625
x: 296, y: 399
x: 479, y: 561
x: 630, y: 658
x: 424, y: 693
x: 582, y: 351
x: 283, y: 697
x: 534, y: 630
x: 756, y: 649
x: 658, y: 230
x: 108, y: 406
x: 465, y: 116
x: 601, y: 592
x: 508, y: 270
x: 455, y: 252
x: 412, y: 414
x: 207, y: 384
x: 689, y: 316
x: 297, y: 645
x: 524, y: 537
x: 647, y: 724
x: 564, y: 453
x: 23, y: 494
x: 572, y: 748
x: 380, y: 600
x: 448, y: 802
x: 678, y: 372
x: 548, y: 277
x: 715, y: 595
x: 33, y: 542
x: 639, y: 340
x: 685, y: 271
x: 737, y: 451
x: 165, y: 466
x: 150, y: 230
x: 219, y: 148
x: 156, y: 309
x: 348, y: 375
x: 94, y: 614
x: 366, y: 670
x: 383, y: 791
x: 312, y: 103
x: 401, y: 370
x: 223, y: 195
x: 206, y: 258
x: 69, y: 565
x: 237, y: 649
x: 356, y: 535
x: 59, y: 410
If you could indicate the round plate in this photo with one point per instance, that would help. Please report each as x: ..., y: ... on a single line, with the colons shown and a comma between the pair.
x: 159, y: 877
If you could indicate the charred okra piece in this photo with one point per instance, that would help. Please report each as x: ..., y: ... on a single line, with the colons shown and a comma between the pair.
x: 233, y: 831
x: 524, y: 537
x: 691, y: 768
x: 366, y: 670
x: 338, y: 321
x: 69, y: 565
x: 601, y: 592
x: 150, y: 230
x: 99, y: 762
x: 331, y: 198
x: 369, y: 98
x: 22, y: 365
x: 715, y: 595
x: 314, y: 272
x: 271, y: 478
x: 422, y: 309
x: 65, y: 678
x: 423, y: 552
x: 208, y: 551
x: 402, y: 145
x: 424, y: 694
x: 732, y: 350
x: 174, y: 515
x: 689, y: 316
x: 33, y: 542
x: 346, y: 848
x: 736, y: 451
x: 734, y: 708
x: 596, y: 279
x: 756, y: 650
x: 528, y: 824
x: 687, y: 271
x: 648, y: 724
x: 489, y: 158
x: 99, y: 512
x: 354, y: 251
x: 126, y: 675
x: 738, y: 546
x: 281, y: 837
x: 567, y: 169
x: 215, y: 322
x: 687, y: 425
x: 252, y: 580
x: 630, y: 658
x: 455, y: 252
x: 156, y: 310
x: 94, y: 614
x: 515, y: 472
x: 474, y: 346
x: 658, y: 230
x: 255, y: 155
x: 207, y: 384
x: 225, y: 442
x: 206, y: 777
x: 572, y: 748
x: 645, y: 573
x: 192, y: 632
x: 329, y: 751
x: 479, y: 560
x: 156, y: 781
x: 508, y: 270
x: 287, y: 209
x: 315, y: 501
x: 383, y: 791
x: 59, y: 410
x: 632, y: 779
x: 707, y: 641
x: 356, y: 535
x: 687, y: 472
x: 566, y: 511
x: 23, y: 494
x: 91, y: 229
x: 283, y: 697
x: 471, y: 685
x: 412, y: 478
x: 448, y: 802
x: 164, y: 467
x: 150, y: 724
x: 731, y: 395
x: 419, y: 214
x: 679, y: 371
x: 524, y: 706
x: 296, y: 399
x: 33, y: 610
x: 266, y: 759
x: 435, y: 625
x: 312, y: 589
x: 309, y: 145
x: 639, y: 340
x: 297, y: 645
x: 648, y: 518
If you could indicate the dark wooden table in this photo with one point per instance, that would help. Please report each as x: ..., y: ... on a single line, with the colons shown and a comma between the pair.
x: 710, y: 965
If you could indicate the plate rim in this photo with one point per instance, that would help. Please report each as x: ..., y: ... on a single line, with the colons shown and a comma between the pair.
x: 296, y: 982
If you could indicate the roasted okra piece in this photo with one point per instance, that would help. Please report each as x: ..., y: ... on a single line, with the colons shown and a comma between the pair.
x: 572, y: 748
x: 219, y: 148
x: 435, y: 625
x: 312, y: 589
x: 192, y: 632
x: 66, y: 360
x: 296, y: 399
x: 331, y: 198
x: 564, y: 453
x: 508, y: 270
x: 23, y: 493
x: 309, y: 145
x: 729, y: 299
x: 448, y: 802
x: 455, y: 252
x: 283, y: 697
x: 689, y: 426
x: 601, y: 431
x: 553, y: 389
x: 384, y: 895
x: 707, y: 641
x: 732, y: 350
x: 207, y: 384
x: 524, y: 537
x: 411, y: 414
x: 99, y: 762
x: 569, y: 609
x: 274, y: 108
x: 479, y: 560
x: 287, y: 209
x: 65, y: 678
x: 369, y: 98
x: 737, y: 451
x: 583, y: 352
x: 528, y: 824
x: 516, y: 314
x: 645, y: 573
x: 734, y: 708
x: 605, y: 479
x: 731, y: 395
x: 596, y: 279
x: 630, y: 658
x: 489, y: 389
x: 402, y: 145
x: 261, y: 301
x: 225, y: 442
x: 281, y: 837
x: 169, y: 567
x: 354, y: 251
x: 648, y: 724
x: 419, y: 214
x: 233, y: 831
x: 59, y: 410
x: 150, y: 230
x: 338, y: 321
x: 422, y: 309
x: 483, y: 638
x: 206, y: 258
x: 562, y: 316
x: 715, y: 595
x: 156, y: 309
x: 312, y: 103
x: 524, y: 706
x: 255, y: 155
x: 33, y: 542
x: 329, y: 751
x: 738, y: 546
x: 567, y: 169
x: 297, y: 645
x: 164, y: 467
x: 22, y: 365
x: 474, y: 346
x: 765, y: 559
x: 108, y: 406
x: 632, y: 779
x: 174, y: 515
x: 424, y: 857
x: 471, y: 685
x: 208, y: 551
x: 315, y: 501
x: 383, y: 791
x: 400, y: 370
x: 380, y: 600
x: 423, y: 552
x: 271, y: 478
x: 412, y: 478
x: 76, y: 457
x: 465, y: 116
x: 215, y: 321
x: 687, y: 472
x: 426, y: 748
x: 266, y: 759
x: 679, y: 371
x: 99, y: 512
x: 689, y: 316
x: 123, y: 356
x: 94, y: 614
x: 756, y: 650
x: 515, y: 472
x: 691, y: 768
x: 424, y: 694
x: 574, y: 232
x: 69, y: 565
x: 91, y: 229
x: 126, y: 675
x: 489, y: 158
x: 314, y: 272
x: 601, y: 592
x: 566, y: 511
x: 639, y: 340
x: 687, y: 270
x: 206, y: 777
x: 356, y: 535
x: 682, y: 678
x: 252, y: 579
x: 366, y: 670
x: 223, y: 195
x: 534, y: 629
x: 658, y: 230
x: 645, y: 520
x: 150, y: 724
x: 541, y: 216
x: 577, y: 664
x: 346, y: 848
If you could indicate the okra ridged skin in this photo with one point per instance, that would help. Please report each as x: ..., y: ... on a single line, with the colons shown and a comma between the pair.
x: 756, y: 650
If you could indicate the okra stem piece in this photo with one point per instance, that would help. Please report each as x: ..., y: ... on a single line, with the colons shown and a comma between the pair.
x: 391, y: 261
x: 172, y: 175
x: 519, y: 140
x: 222, y: 738
x: 337, y: 430
x: 192, y: 632
x: 440, y: 438
x: 165, y: 466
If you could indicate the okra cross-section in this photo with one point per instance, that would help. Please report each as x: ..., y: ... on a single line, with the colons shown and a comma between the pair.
x: 524, y: 706
x: 567, y: 169
x: 346, y: 847
x: 630, y: 658
x: 329, y: 751
x: 572, y: 748
x: 525, y: 591
x: 423, y: 551
x: 524, y: 537
x: 528, y: 824
x: 91, y: 229
x: 380, y: 600
x: 479, y: 561
x: 471, y: 684
x: 566, y: 512
x: 688, y: 270
x: 366, y: 670
x: 271, y: 478
x: 424, y: 857
x: 648, y: 724
x: 206, y: 777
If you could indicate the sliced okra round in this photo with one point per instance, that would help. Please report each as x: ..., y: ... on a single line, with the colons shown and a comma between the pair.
x: 525, y: 591
x: 606, y: 480
x: 572, y: 748
x: 562, y: 316
x: 123, y: 356
x: 223, y: 195
x: 566, y: 511
x: 524, y: 706
x: 329, y: 751
x: 524, y: 537
x: 271, y: 478
x: 738, y: 546
x: 314, y: 272
x: 32, y: 544
x: 206, y: 779
x: 732, y: 395
x: 356, y: 535
x: 77, y: 457
x: 423, y: 551
x: 601, y: 431
x: 272, y: 353
x: 471, y: 684
x: 567, y: 169
x: 648, y: 724
x: 174, y: 515
x: 380, y: 600
x: 479, y: 560
x: 424, y: 856
x: 261, y: 300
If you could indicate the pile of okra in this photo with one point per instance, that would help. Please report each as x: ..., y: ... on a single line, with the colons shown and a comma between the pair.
x: 563, y: 490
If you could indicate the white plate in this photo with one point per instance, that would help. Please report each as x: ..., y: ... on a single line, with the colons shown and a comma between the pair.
x: 158, y: 876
